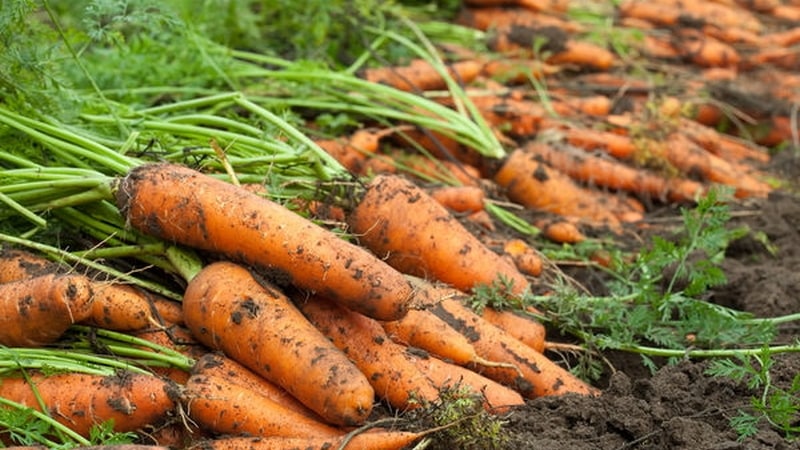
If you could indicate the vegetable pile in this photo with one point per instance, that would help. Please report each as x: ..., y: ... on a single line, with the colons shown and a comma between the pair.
x: 215, y: 236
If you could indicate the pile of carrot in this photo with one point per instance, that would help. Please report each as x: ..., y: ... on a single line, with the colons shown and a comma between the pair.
x: 297, y: 331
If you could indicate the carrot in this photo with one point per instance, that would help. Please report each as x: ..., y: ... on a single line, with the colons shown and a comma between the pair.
x: 421, y: 166
x: 388, y: 367
x: 723, y: 145
x: 497, y: 398
x: 399, y: 221
x: 788, y: 13
x: 597, y: 105
x: 19, y: 264
x: 783, y: 38
x: 372, y: 440
x: 524, y: 257
x: 561, y: 231
x: 595, y: 170
x: 493, y: 17
x: 705, y: 50
x: 37, y: 311
x: 224, y: 307
x: 218, y: 365
x: 782, y: 57
x: 510, y: 71
x: 532, y: 183
x: 539, y: 375
x: 536, y: 5
x: 518, y: 118
x: 80, y: 401
x: 218, y: 404
x: 420, y: 75
x: 179, y: 204
x: 459, y: 198
x: 583, y: 54
x: 617, y: 145
x: 526, y: 329
x: 442, y: 147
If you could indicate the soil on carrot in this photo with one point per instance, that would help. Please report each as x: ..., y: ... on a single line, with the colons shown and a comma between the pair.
x: 679, y: 406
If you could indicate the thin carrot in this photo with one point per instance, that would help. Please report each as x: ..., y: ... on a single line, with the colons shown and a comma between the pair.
x: 37, y: 311
x: 372, y: 440
x: 493, y: 17
x: 596, y: 105
x: 524, y: 257
x: 459, y: 198
x: 179, y: 204
x: 259, y: 327
x: 496, y: 398
x: 617, y: 145
x: 220, y: 405
x: 219, y: 365
x: 420, y: 75
x: 527, y: 329
x: 80, y: 401
x: 539, y: 375
x: 399, y: 221
x: 387, y: 365
x: 509, y: 70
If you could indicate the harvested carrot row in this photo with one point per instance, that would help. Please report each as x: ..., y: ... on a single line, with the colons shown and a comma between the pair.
x: 80, y: 401
x: 527, y: 329
x: 497, y: 398
x: 224, y: 307
x: 220, y: 405
x: 420, y: 75
x: 418, y: 236
x: 539, y: 375
x: 595, y: 170
x: 37, y: 311
x: 182, y: 205
x: 372, y: 440
x: 218, y: 365
x: 459, y: 198
x: 387, y: 365
x: 524, y: 257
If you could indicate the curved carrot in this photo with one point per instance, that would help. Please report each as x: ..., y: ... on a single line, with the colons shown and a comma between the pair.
x: 222, y: 406
x: 372, y: 440
x: 37, y: 311
x: 259, y: 327
x: 399, y: 221
x: 183, y: 205
x: 80, y: 401
x: 386, y: 364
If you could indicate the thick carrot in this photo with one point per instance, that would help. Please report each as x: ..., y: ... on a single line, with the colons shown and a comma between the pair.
x: 420, y: 75
x: 399, y: 221
x: 524, y: 257
x: 614, y: 174
x: 372, y: 440
x: 524, y: 328
x: 497, y: 398
x: 459, y: 198
x: 584, y: 55
x: 259, y: 327
x: 179, y: 204
x: 535, y: 5
x: 37, y: 311
x: 561, y: 231
x: 19, y: 264
x: 218, y: 365
x: 387, y: 365
x: 220, y: 405
x: 539, y: 375
x: 80, y: 401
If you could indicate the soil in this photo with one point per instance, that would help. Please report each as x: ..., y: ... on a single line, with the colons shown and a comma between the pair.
x: 679, y: 406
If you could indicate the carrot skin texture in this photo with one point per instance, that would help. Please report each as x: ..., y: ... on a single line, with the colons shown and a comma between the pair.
x: 37, y: 311
x: 18, y: 264
x: 259, y: 327
x: 418, y: 236
x: 373, y: 440
x: 526, y: 329
x: 222, y: 406
x: 80, y: 401
x: 182, y: 205
x: 390, y: 369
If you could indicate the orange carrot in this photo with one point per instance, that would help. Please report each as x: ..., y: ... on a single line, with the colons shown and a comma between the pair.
x: 496, y: 397
x: 175, y: 338
x: 493, y: 17
x: 19, y: 264
x: 532, y: 183
x: 37, y: 311
x: 705, y: 50
x: 80, y: 401
x: 421, y: 166
x: 218, y: 365
x: 517, y: 70
x: 524, y: 257
x: 442, y: 147
x: 515, y: 117
x: 420, y: 75
x: 539, y: 375
x: 561, y: 231
x: 397, y: 220
x: 220, y: 405
x: 583, y: 54
x: 372, y: 440
x: 459, y: 198
x: 536, y: 5
x: 387, y: 365
x: 613, y: 174
x: 527, y: 329
x: 179, y: 204
x: 617, y: 145
x: 224, y: 307
x: 597, y: 105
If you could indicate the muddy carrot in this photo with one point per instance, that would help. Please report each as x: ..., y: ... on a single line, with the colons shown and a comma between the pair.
x: 80, y: 401
x: 19, y: 264
x: 372, y: 440
x: 617, y: 145
x: 524, y: 257
x: 527, y: 329
x: 224, y: 306
x: 399, y: 221
x: 535, y: 5
x: 37, y: 311
x: 179, y: 204
x: 387, y: 365
x: 420, y: 75
x: 539, y: 375
x: 222, y: 406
